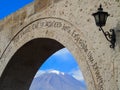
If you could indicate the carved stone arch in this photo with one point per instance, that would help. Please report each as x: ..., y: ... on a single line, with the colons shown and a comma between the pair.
x: 60, y: 31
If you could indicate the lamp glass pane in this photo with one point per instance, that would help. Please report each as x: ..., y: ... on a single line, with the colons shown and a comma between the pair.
x: 106, y: 17
x: 102, y: 19
x: 97, y: 19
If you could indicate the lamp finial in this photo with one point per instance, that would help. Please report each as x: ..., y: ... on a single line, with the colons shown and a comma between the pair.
x: 100, y: 8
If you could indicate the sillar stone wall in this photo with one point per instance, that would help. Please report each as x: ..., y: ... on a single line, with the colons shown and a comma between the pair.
x: 69, y: 22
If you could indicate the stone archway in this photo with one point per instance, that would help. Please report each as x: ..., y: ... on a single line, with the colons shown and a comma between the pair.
x: 63, y: 21
x: 23, y: 65
x: 66, y: 34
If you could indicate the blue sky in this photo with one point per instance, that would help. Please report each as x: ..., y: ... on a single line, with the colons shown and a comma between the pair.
x: 62, y: 61
x: 9, y: 6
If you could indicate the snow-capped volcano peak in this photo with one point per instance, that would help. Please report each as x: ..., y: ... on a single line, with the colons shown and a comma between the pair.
x: 55, y: 80
x: 55, y: 71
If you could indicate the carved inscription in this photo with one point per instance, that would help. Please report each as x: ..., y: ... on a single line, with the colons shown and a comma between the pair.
x: 96, y: 70
x: 91, y: 61
x: 68, y: 28
x: 46, y: 24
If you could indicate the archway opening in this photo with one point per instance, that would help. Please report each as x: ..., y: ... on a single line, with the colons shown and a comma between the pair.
x: 59, y: 72
x: 23, y: 65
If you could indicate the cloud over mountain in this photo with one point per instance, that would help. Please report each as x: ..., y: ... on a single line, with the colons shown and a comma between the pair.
x: 55, y: 80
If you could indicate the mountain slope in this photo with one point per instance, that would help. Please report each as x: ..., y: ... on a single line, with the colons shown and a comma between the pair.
x: 56, y: 81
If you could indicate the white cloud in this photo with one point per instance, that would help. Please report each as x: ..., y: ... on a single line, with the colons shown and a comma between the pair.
x: 55, y: 71
x: 76, y: 73
x: 64, y: 54
x: 63, y: 51
x: 40, y: 72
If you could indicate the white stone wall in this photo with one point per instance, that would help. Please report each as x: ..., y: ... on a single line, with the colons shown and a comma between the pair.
x: 70, y: 22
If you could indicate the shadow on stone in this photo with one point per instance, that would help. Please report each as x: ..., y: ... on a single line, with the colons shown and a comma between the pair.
x: 117, y: 32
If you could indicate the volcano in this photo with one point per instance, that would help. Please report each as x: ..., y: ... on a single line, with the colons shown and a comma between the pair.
x: 55, y: 80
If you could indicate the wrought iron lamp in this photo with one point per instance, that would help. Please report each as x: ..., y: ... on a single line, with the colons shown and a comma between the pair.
x: 100, y: 19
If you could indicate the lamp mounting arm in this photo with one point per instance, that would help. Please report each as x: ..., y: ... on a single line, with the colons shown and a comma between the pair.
x: 111, y: 37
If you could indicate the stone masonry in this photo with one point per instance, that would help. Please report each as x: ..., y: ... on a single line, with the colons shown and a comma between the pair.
x: 65, y: 23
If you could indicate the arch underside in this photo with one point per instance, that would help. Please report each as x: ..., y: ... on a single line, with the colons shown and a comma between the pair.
x: 22, y: 67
